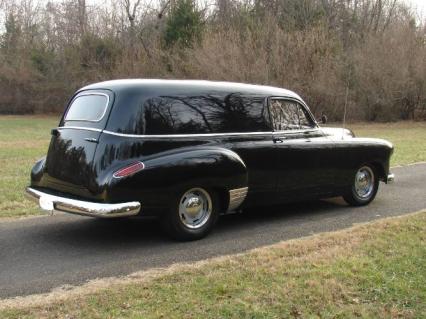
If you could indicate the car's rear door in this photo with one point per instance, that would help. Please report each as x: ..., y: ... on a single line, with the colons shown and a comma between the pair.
x: 304, y: 156
x: 69, y: 163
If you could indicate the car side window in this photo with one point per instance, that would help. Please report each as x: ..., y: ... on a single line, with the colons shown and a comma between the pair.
x: 207, y: 113
x: 169, y: 115
x: 288, y: 115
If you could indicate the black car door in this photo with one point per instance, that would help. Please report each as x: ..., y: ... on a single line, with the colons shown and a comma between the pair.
x: 247, y: 116
x: 304, y: 156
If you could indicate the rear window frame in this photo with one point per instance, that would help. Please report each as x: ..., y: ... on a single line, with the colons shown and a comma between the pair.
x: 88, y: 94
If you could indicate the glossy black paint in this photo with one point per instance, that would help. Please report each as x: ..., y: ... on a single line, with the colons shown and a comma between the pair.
x: 276, y: 166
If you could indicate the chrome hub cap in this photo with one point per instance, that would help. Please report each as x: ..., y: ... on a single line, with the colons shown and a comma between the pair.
x: 195, y: 208
x: 364, y: 182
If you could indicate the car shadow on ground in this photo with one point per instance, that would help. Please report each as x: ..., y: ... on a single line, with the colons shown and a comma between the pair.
x: 124, y: 233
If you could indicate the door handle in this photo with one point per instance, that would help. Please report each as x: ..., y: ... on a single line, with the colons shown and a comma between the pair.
x: 91, y: 139
x: 277, y: 140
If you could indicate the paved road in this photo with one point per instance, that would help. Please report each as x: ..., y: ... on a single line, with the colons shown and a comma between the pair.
x: 39, y: 254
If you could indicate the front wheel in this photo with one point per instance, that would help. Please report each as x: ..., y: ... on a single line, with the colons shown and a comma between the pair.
x: 364, y: 186
x: 192, y: 214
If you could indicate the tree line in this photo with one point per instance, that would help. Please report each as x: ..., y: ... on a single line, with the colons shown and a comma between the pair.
x: 367, y: 57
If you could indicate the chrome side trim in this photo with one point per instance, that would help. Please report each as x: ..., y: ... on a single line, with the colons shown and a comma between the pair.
x: 185, y: 135
x: 79, y: 128
x: 52, y: 203
x: 390, y: 179
x: 88, y: 94
x: 290, y: 132
x: 294, y: 132
x: 237, y: 197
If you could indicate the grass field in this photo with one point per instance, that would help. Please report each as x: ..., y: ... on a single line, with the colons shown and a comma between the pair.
x: 376, y: 270
x: 409, y: 139
x: 24, y: 139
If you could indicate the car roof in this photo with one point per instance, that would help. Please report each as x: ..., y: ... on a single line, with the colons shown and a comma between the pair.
x: 188, y: 85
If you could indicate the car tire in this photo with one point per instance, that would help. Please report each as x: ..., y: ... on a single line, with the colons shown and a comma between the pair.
x: 365, y: 184
x: 192, y: 214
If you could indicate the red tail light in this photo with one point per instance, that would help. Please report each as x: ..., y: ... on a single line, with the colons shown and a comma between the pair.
x: 129, y: 170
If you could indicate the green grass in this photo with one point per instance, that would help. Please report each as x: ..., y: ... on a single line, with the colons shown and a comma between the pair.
x: 24, y: 139
x: 371, y: 271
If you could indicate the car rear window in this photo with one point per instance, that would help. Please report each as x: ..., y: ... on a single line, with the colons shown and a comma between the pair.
x: 88, y: 107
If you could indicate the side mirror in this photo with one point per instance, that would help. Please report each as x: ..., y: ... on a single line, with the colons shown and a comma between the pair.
x: 324, y: 119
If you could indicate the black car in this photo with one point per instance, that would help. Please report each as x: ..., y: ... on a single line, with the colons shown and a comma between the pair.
x: 187, y: 151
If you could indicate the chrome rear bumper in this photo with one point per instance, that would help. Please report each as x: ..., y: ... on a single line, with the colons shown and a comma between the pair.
x: 52, y: 203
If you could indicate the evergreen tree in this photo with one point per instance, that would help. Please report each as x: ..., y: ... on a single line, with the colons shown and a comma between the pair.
x: 9, y: 40
x: 184, y: 24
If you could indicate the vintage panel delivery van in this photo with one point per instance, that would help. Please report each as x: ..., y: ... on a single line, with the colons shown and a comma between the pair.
x: 187, y: 151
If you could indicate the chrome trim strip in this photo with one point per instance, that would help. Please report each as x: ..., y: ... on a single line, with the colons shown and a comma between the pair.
x: 52, y: 203
x: 80, y: 128
x: 88, y: 94
x: 185, y: 135
x: 237, y: 197
x: 289, y: 132
x: 390, y: 178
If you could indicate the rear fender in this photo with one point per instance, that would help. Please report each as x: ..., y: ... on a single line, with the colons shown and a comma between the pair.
x: 166, y: 174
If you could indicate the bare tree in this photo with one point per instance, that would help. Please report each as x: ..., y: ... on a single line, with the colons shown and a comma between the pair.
x: 131, y: 10
x: 373, y: 50
x: 82, y: 16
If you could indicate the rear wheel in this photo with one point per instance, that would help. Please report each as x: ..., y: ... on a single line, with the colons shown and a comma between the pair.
x: 364, y: 186
x: 192, y: 214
